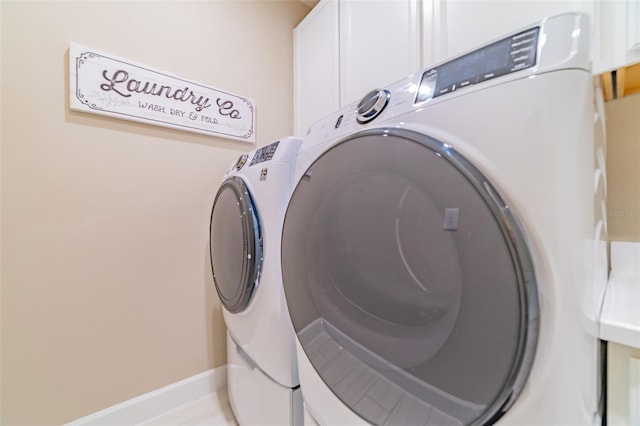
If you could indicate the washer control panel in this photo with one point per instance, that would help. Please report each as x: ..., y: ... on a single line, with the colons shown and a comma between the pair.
x: 372, y: 105
x: 265, y: 153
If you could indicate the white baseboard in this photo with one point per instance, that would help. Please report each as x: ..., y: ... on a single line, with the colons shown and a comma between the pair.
x: 159, y: 401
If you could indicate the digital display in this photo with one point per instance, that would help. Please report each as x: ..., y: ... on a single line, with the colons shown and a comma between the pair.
x: 502, y: 57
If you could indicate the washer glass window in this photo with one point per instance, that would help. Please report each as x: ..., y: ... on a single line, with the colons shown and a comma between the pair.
x: 236, y: 245
x: 408, y: 282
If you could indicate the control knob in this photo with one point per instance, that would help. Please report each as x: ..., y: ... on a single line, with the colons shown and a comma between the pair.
x: 241, y: 161
x: 372, y: 105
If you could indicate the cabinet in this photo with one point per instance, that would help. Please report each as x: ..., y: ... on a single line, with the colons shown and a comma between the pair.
x: 620, y: 38
x: 623, y: 387
x: 316, y: 87
x: 379, y: 44
x: 346, y: 48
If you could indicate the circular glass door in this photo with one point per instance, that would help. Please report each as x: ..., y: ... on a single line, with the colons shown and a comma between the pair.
x: 235, y: 244
x: 409, y: 282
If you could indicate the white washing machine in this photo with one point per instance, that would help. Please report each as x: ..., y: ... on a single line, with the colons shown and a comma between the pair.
x: 246, y: 224
x: 433, y: 251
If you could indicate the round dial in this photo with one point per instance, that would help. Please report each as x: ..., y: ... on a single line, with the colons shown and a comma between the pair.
x: 372, y: 105
x: 241, y: 161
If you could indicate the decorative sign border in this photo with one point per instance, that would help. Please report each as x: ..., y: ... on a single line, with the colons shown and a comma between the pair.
x: 107, y: 85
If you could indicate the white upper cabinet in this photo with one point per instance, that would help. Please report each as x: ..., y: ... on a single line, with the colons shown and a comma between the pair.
x: 345, y: 48
x: 620, y: 38
x: 316, y: 66
x: 380, y: 44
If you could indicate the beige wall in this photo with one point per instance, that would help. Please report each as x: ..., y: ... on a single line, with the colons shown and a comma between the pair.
x: 106, y: 284
x: 623, y: 168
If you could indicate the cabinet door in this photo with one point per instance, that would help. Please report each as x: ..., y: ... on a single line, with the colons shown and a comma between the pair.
x: 316, y: 66
x: 620, y: 35
x: 470, y: 23
x: 380, y: 44
x: 623, y: 377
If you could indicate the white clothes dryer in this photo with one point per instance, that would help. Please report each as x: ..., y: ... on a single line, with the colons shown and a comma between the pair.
x: 433, y: 250
x: 245, y: 229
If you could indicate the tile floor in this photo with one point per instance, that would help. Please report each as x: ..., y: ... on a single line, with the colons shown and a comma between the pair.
x: 212, y: 409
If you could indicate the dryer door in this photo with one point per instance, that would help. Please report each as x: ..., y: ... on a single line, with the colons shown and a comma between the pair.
x: 408, y: 282
x: 236, y: 244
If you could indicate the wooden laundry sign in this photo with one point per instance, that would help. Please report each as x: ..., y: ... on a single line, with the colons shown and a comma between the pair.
x: 107, y: 85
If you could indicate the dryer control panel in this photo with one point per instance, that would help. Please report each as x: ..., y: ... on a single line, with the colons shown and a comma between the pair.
x: 553, y: 44
x: 512, y: 54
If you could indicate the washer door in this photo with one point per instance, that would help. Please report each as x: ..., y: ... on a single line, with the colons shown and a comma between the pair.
x: 408, y: 282
x: 236, y: 244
